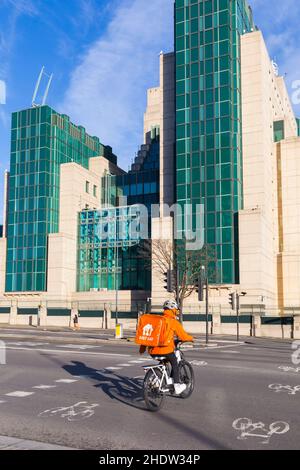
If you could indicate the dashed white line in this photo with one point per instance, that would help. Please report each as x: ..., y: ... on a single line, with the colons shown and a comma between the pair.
x: 19, y: 394
x: 231, y: 352
x: 111, y: 368
x: 124, y: 365
x: 60, y: 351
x: 65, y: 381
x: 2, y: 401
x: 44, y: 387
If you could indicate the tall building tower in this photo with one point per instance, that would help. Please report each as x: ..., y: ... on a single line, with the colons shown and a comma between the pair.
x: 41, y: 140
x: 209, y: 156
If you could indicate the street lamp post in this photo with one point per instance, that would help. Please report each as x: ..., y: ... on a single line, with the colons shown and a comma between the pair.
x: 116, y: 283
x: 242, y: 294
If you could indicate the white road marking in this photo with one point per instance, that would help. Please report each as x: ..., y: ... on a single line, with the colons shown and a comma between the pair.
x: 77, y: 346
x: 136, y: 362
x: 2, y: 401
x: 81, y: 410
x: 59, y: 351
x: 26, y: 343
x: 44, y: 387
x: 292, y: 390
x: 19, y: 394
x: 198, y: 363
x: 220, y: 341
x: 111, y: 368
x: 66, y: 381
x: 210, y: 348
x: 231, y: 352
x: 259, y: 430
x: 124, y: 365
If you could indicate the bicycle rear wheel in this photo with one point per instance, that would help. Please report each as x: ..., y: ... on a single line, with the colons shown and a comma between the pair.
x: 187, y: 377
x: 152, y: 395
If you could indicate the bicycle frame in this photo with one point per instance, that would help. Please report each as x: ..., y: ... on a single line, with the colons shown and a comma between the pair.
x: 162, y: 367
x: 164, y: 376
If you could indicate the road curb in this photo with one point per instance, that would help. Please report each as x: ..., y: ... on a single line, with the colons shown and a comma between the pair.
x: 14, y: 443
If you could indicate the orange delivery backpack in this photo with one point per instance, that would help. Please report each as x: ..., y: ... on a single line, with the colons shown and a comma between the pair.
x: 152, y: 330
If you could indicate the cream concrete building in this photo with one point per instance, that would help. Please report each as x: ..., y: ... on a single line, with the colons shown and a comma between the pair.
x: 269, y: 224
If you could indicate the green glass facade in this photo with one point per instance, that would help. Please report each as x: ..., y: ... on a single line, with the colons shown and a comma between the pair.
x: 41, y: 140
x: 113, y: 261
x: 139, y: 186
x: 109, y: 256
x: 208, y: 120
x: 279, y: 131
x: 298, y: 126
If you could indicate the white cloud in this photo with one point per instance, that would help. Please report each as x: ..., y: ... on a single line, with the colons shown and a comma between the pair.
x: 107, y: 91
x: 281, y: 31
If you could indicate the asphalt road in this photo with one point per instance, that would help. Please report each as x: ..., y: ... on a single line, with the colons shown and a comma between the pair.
x: 232, y: 382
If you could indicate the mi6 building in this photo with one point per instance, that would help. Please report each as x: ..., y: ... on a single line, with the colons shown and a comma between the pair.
x: 219, y: 132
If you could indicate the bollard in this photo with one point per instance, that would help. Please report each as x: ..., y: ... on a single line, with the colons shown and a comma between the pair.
x: 119, y: 331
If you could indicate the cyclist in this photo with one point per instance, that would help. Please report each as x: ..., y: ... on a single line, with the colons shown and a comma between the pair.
x: 170, y: 311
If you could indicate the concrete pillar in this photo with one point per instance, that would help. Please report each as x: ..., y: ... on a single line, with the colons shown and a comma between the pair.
x: 110, y: 323
x: 216, y: 320
x: 13, y: 313
x: 296, y: 331
x: 256, y: 325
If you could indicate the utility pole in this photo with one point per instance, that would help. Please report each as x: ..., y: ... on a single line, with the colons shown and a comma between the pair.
x: 237, y: 316
x: 204, y: 280
x: 206, y: 309
x: 177, y: 296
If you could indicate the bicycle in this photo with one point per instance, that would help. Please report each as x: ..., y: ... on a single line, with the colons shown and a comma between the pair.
x: 158, y: 382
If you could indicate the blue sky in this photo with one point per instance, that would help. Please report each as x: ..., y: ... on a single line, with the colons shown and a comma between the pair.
x: 104, y: 55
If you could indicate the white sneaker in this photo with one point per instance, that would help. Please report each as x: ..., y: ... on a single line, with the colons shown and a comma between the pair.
x: 179, y: 388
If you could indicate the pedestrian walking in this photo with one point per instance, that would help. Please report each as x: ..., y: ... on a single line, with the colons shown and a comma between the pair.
x: 76, y: 322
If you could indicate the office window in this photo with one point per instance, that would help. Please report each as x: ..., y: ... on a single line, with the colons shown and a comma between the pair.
x: 278, y: 131
x: 87, y: 187
x: 95, y: 191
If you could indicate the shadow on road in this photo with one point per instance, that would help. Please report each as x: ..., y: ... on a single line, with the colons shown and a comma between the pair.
x: 130, y: 392
x: 124, y: 389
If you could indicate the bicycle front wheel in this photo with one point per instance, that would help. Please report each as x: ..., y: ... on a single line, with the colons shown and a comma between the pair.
x: 187, y: 377
x: 152, y: 395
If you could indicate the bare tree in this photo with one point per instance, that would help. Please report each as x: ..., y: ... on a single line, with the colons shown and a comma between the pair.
x: 186, y: 265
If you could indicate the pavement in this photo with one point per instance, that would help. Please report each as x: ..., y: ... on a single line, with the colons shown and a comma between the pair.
x: 83, y: 390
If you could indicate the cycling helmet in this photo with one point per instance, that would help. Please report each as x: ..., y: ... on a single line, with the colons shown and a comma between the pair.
x: 170, y: 305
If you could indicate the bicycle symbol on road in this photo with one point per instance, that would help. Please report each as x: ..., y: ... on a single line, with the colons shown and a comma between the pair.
x: 77, y: 412
x: 285, y: 388
x: 260, y: 430
x: 289, y: 369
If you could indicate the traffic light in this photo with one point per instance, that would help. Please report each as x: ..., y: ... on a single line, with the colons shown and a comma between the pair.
x: 170, y: 280
x: 232, y: 300
x: 199, y: 289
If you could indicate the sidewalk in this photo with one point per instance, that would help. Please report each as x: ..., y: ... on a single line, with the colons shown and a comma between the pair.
x: 92, y: 336
x: 13, y: 443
